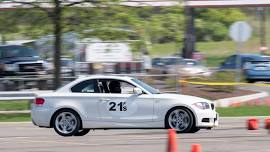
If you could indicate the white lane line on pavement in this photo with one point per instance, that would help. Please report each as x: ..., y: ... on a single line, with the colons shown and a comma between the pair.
x: 25, y: 122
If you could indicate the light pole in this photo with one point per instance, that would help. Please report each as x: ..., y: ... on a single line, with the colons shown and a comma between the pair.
x: 189, y: 37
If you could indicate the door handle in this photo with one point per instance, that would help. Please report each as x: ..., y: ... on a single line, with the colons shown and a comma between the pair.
x: 105, y: 100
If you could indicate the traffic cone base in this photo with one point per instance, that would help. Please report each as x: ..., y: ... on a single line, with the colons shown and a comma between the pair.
x: 267, y: 123
x: 196, y: 148
x: 252, y: 124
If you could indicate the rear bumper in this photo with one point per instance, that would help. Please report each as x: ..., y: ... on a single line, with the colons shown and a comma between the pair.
x: 41, y: 116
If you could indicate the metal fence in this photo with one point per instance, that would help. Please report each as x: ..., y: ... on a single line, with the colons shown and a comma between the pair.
x: 164, y: 82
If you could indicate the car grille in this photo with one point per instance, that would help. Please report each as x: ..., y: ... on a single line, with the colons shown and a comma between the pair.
x: 212, y: 106
x: 31, y: 67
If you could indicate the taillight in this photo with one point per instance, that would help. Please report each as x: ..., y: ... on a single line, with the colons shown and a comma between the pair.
x: 39, y: 101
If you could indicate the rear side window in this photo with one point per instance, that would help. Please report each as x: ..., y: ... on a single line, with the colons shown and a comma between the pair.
x: 88, y: 86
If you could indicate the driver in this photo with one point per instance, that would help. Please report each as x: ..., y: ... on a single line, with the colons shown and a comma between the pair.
x: 115, y: 87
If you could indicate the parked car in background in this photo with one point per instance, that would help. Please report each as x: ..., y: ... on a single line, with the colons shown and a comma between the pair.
x: 20, y: 60
x: 160, y: 64
x: 257, y: 70
x: 190, y: 68
x: 230, y: 62
x: 67, y: 66
x: 179, y: 65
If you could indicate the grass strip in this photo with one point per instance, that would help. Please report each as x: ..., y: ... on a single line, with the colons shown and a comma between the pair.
x: 244, y: 111
x: 14, y: 105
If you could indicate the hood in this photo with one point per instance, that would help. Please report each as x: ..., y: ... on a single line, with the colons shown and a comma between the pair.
x: 180, y: 97
x: 19, y: 59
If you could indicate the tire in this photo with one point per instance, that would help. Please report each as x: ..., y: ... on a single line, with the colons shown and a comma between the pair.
x: 180, y: 119
x: 82, y: 132
x: 195, y: 129
x: 66, y: 122
x: 251, y: 80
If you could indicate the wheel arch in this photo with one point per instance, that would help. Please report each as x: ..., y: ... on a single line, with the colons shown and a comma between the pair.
x: 65, y: 108
x: 180, y: 106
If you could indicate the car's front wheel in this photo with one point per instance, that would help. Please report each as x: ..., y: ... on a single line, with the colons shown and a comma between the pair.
x: 251, y: 80
x: 66, y: 122
x: 180, y: 119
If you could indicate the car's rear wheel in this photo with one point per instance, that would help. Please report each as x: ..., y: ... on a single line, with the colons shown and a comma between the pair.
x: 180, y: 119
x: 82, y: 132
x: 66, y: 122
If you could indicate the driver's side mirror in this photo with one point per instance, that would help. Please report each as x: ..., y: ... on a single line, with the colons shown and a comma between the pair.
x: 137, y: 91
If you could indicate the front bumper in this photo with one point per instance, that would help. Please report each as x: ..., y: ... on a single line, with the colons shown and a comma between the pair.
x: 207, y: 119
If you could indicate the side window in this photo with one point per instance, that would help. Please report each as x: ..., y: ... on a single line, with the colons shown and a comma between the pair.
x: 231, y: 60
x: 88, y: 86
x: 126, y: 88
x: 115, y: 86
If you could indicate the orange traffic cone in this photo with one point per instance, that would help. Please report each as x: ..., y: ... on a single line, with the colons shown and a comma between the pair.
x: 252, y: 124
x: 172, y: 144
x: 196, y: 148
x: 267, y: 123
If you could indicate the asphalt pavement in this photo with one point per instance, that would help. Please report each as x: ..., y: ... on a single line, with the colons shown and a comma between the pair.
x: 231, y: 135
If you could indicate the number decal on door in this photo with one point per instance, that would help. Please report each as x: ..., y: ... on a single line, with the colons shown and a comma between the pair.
x: 114, y: 106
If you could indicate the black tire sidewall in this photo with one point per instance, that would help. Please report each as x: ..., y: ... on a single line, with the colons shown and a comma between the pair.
x: 82, y: 132
x: 77, y: 118
x: 191, y: 124
x: 194, y: 129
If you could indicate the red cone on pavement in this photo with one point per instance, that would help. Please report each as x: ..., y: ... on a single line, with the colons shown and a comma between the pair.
x: 196, y: 148
x: 172, y: 144
x: 267, y: 123
x: 252, y: 124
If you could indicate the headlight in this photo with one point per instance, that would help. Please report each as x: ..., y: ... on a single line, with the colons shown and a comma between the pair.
x: 11, y: 67
x: 202, y: 105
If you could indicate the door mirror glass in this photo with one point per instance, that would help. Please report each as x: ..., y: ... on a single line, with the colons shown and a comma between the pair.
x: 137, y: 91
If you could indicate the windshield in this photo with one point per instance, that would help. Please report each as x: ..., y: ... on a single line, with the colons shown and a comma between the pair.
x: 171, y: 61
x: 146, y: 86
x: 16, y: 51
x: 66, y: 63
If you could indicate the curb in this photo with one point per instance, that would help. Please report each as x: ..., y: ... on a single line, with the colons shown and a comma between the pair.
x: 226, y: 102
x: 16, y: 112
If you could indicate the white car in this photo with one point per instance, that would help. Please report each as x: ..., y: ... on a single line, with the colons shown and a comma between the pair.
x: 110, y: 102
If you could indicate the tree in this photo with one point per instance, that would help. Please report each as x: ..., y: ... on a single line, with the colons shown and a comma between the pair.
x: 54, y: 12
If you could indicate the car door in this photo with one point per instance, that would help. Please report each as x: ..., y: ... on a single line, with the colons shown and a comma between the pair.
x: 229, y: 63
x: 87, y: 94
x: 125, y: 106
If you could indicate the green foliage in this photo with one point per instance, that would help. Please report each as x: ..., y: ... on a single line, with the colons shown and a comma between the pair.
x: 225, y: 76
x: 114, y: 22
x: 213, y: 24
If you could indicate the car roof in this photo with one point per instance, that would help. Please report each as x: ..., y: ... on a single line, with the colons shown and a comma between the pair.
x: 186, y: 59
x: 247, y: 55
x: 120, y: 77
